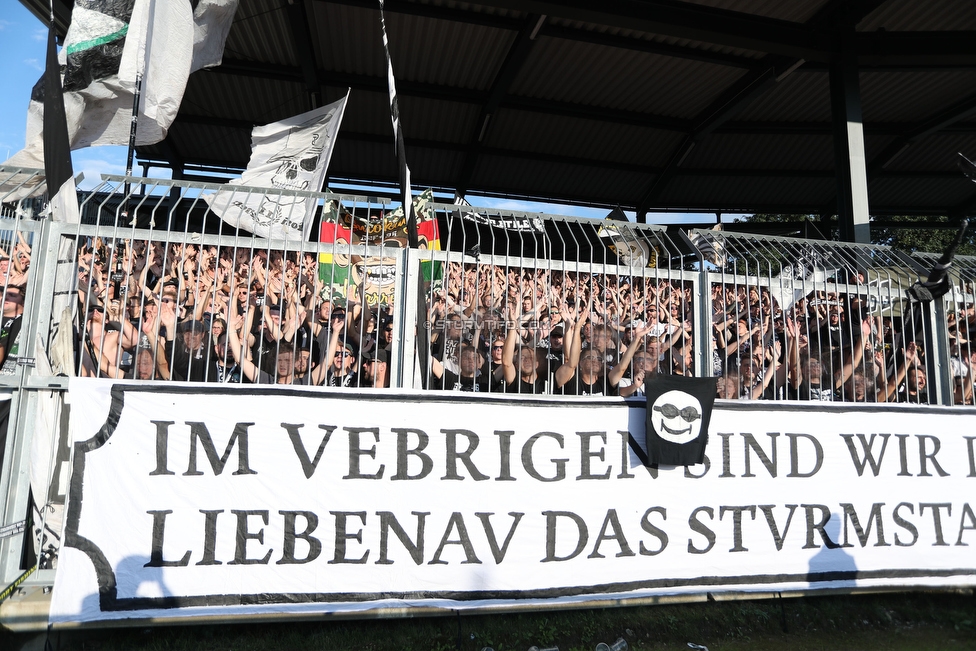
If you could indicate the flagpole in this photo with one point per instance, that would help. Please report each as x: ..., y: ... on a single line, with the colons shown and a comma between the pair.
x: 134, y: 123
x: 133, y: 126
x: 413, y: 239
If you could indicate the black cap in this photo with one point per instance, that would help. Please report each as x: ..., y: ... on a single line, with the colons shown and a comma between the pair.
x: 192, y: 326
x: 351, y: 346
x: 380, y: 355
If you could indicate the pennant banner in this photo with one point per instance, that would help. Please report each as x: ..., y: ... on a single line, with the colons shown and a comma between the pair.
x: 290, y: 155
x: 189, y: 501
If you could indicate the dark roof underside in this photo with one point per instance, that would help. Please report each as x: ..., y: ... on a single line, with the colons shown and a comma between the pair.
x: 706, y: 105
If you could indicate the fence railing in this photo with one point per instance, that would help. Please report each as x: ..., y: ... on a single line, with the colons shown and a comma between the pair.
x: 153, y: 286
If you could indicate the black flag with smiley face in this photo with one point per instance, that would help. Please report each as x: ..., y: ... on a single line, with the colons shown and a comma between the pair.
x: 678, y: 411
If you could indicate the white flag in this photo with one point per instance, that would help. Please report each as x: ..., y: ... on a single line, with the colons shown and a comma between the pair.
x: 158, y: 49
x: 290, y: 155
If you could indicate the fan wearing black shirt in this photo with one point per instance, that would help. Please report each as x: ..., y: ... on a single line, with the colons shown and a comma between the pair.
x: 592, y: 377
x: 470, y: 379
x: 525, y: 377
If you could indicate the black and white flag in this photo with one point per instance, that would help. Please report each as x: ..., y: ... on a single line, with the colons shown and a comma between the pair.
x: 626, y: 242
x: 678, y: 411
x: 517, y: 223
x: 108, y: 45
x: 57, y: 152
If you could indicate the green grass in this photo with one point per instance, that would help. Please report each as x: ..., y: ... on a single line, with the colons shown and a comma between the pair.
x: 893, y: 622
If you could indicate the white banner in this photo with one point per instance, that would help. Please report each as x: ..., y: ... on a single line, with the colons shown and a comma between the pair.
x: 290, y: 155
x: 196, y: 501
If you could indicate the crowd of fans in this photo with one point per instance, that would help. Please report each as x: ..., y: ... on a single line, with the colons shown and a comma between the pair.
x: 157, y: 311
x: 224, y: 314
x: 537, y: 331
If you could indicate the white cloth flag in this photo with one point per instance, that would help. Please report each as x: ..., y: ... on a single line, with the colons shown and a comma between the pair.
x: 290, y: 158
x: 158, y: 50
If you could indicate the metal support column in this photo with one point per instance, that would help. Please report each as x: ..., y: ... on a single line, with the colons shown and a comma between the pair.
x: 845, y: 103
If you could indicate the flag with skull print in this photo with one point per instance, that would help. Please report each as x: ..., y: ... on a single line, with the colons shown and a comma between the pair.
x: 289, y: 160
x: 678, y: 411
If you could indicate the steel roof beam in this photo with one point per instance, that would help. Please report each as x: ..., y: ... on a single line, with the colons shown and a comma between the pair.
x: 956, y: 113
x: 715, y: 115
x: 42, y: 11
x: 651, y: 47
x: 518, y: 54
x: 302, y: 39
x: 685, y: 20
x: 448, y: 93
x: 916, y: 48
x: 941, y: 121
x: 425, y: 10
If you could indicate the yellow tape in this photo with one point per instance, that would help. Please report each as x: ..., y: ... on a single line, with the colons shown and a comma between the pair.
x: 13, y: 586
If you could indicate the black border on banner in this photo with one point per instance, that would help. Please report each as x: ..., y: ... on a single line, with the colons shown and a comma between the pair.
x: 109, y: 600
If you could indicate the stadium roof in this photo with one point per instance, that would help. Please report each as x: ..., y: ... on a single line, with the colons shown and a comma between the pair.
x: 704, y: 105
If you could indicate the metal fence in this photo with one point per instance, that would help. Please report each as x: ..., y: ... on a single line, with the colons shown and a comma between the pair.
x: 153, y: 286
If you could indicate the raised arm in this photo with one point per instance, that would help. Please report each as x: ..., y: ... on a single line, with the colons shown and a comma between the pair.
x: 241, y: 353
x: 568, y: 369
x: 618, y: 371
x: 508, y: 353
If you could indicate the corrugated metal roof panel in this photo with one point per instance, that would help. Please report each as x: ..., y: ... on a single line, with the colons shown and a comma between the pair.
x: 568, y: 136
x: 437, y: 120
x: 801, y: 97
x: 421, y: 118
x: 428, y: 167
x: 348, y: 39
x: 570, y: 71
x: 363, y: 160
x: 936, y: 153
x: 217, y: 145
x: 432, y: 166
x: 763, y: 151
x: 474, y: 8
x: 930, y: 15
x: 748, y: 193
x: 883, y: 93
x: 493, y: 173
x: 657, y: 38
x: 455, y: 54
x: 268, y: 39
x: 894, y: 193
x: 235, y: 97
x: 797, y: 11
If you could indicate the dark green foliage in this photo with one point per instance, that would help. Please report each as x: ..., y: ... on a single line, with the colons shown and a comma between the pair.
x: 908, y: 240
